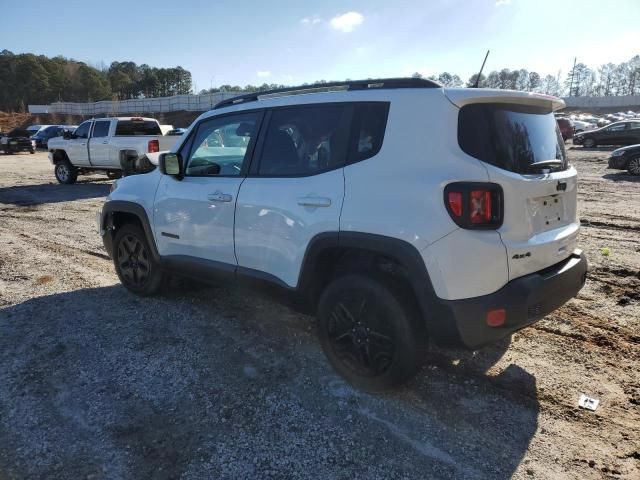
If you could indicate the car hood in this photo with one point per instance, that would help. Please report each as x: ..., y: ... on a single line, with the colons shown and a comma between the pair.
x: 628, y: 147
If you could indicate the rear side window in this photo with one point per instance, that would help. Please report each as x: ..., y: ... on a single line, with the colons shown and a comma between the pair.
x: 101, y: 129
x: 305, y: 140
x: 369, y: 124
x: 511, y: 137
x: 132, y: 128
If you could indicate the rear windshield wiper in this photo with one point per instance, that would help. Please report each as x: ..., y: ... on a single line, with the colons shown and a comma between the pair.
x: 545, y: 165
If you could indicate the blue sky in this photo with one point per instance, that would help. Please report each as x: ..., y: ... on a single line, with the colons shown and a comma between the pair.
x: 292, y: 42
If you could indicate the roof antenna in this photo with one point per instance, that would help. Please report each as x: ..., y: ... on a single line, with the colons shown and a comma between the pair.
x: 480, y: 72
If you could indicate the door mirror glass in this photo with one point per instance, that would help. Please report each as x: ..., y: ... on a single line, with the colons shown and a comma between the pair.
x: 171, y: 164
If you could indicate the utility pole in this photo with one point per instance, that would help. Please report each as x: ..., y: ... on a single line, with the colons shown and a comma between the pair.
x: 573, y: 72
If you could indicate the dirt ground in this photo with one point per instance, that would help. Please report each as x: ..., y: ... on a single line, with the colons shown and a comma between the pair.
x: 215, y: 383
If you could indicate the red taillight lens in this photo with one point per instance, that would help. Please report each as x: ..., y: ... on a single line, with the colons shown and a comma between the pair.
x: 154, y: 146
x: 496, y: 317
x: 455, y: 203
x: 480, y: 206
x: 474, y: 205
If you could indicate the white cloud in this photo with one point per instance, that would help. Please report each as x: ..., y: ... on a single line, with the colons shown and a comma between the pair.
x: 347, y: 22
x: 263, y: 73
x: 311, y: 20
x: 500, y: 3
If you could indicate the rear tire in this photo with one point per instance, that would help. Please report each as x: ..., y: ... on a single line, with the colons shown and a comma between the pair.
x: 370, y: 332
x: 589, y: 143
x: 134, y: 263
x: 66, y: 173
x: 633, y: 167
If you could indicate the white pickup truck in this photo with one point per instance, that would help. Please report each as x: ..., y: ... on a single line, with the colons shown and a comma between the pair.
x: 106, y: 145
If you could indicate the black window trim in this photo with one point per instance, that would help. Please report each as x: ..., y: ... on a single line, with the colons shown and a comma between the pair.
x: 251, y: 164
x: 188, y: 142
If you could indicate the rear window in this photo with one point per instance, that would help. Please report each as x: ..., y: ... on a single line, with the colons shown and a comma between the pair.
x: 511, y: 137
x: 137, y: 127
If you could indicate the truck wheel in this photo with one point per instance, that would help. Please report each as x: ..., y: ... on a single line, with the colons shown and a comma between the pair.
x: 589, y: 143
x: 370, y: 332
x: 633, y: 167
x: 65, y: 172
x: 32, y: 152
x: 134, y: 263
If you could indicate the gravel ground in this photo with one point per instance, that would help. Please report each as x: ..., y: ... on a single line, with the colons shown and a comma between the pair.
x: 215, y: 383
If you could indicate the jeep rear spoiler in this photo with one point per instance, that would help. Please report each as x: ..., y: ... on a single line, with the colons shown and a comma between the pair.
x: 465, y: 96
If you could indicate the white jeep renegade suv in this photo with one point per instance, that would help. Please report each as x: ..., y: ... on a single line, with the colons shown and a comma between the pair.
x: 394, y: 210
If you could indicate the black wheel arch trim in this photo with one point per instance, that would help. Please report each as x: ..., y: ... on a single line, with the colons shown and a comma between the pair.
x: 123, y: 206
x: 434, y: 312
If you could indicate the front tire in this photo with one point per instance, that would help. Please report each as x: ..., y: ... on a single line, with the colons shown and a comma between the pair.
x: 66, y: 173
x: 633, y: 167
x: 589, y: 143
x: 134, y: 262
x: 370, y: 332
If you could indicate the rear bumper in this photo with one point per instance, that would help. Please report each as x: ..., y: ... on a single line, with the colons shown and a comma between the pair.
x: 526, y: 300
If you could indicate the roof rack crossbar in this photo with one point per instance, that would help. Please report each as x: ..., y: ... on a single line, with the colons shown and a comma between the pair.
x: 382, y: 83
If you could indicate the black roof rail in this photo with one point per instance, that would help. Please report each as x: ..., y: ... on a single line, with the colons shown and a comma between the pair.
x: 382, y: 83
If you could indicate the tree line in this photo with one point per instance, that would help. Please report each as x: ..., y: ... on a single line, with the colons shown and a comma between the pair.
x: 607, y: 80
x: 36, y: 79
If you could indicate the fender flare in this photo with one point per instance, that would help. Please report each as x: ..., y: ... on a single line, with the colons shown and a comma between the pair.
x: 433, y: 311
x: 124, y: 206
x: 56, y: 151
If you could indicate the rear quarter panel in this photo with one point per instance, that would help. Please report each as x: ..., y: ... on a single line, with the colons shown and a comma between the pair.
x: 399, y: 193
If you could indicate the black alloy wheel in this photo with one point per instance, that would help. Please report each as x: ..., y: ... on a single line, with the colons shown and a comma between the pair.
x: 370, y: 332
x: 133, y: 260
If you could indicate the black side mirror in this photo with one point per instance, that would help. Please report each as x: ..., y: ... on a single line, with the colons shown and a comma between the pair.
x: 171, y: 164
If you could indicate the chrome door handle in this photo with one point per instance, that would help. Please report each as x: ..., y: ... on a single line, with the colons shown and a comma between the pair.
x: 219, y: 197
x: 312, y: 201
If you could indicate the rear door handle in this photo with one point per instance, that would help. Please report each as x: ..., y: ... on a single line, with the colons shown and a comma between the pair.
x: 219, y: 197
x: 312, y: 201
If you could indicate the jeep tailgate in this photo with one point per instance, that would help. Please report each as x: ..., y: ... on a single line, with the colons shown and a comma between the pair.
x: 516, y: 137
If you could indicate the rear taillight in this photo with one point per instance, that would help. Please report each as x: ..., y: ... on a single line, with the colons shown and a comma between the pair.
x: 154, y: 146
x: 474, y: 205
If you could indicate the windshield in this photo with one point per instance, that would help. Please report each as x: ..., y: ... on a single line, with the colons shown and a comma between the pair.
x: 511, y: 137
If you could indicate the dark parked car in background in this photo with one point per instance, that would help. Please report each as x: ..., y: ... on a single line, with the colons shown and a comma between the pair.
x: 43, y: 136
x: 18, y: 140
x: 626, y: 158
x: 566, y: 128
x: 618, y: 133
